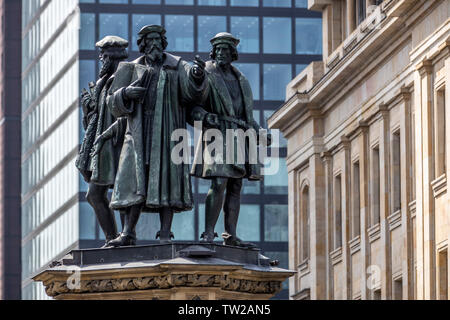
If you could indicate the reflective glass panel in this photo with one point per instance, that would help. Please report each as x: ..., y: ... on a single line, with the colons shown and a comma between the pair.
x: 251, y: 72
x: 276, y: 78
x: 141, y: 20
x: 146, y: 1
x: 276, y: 183
x: 247, y: 30
x: 308, y: 38
x: 87, y: 31
x: 212, y: 2
x: 301, y: 3
x: 281, y: 142
x: 208, y: 27
x: 244, y: 3
x: 114, y: 1
x: 87, y: 221
x: 113, y: 24
x: 148, y: 226
x: 299, y: 68
x: 180, y: 2
x: 277, y: 3
x: 180, y: 33
x: 275, y: 222
x: 183, y: 225
x: 277, y: 35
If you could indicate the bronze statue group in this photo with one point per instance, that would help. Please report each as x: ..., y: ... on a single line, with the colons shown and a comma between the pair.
x: 129, y: 116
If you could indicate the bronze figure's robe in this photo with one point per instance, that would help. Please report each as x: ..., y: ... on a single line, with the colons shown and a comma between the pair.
x: 238, y: 106
x: 146, y: 173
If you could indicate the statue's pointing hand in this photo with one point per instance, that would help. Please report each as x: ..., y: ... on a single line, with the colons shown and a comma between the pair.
x: 199, y: 68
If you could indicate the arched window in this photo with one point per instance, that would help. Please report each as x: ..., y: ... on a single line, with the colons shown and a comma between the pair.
x: 304, y: 224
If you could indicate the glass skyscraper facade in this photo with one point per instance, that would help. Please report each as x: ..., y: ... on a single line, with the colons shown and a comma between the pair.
x: 278, y: 39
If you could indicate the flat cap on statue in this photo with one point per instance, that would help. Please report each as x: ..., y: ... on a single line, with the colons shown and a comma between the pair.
x: 152, y: 28
x: 112, y: 41
x: 225, y: 37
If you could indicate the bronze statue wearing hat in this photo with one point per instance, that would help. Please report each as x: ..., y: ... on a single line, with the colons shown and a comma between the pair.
x: 229, y: 105
x: 153, y: 93
x: 98, y: 167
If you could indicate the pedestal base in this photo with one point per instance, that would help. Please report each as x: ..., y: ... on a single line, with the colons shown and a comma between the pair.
x: 175, y: 271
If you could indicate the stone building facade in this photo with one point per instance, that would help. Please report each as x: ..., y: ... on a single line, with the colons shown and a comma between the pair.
x: 368, y: 154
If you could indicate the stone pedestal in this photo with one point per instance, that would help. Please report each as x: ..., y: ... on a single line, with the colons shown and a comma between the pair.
x: 175, y: 271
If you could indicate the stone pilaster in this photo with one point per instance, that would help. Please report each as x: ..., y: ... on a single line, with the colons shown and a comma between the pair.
x: 385, y: 208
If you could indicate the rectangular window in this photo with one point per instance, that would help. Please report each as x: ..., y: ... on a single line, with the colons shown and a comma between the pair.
x: 396, y: 172
x: 247, y: 30
x: 139, y: 21
x: 337, y: 212
x: 308, y: 36
x: 356, y: 201
x: 301, y: 3
x: 375, y: 216
x: 208, y: 27
x: 87, y: 31
x: 276, y: 78
x: 443, y: 275
x: 277, y: 35
x: 180, y: 2
x: 277, y: 3
x: 146, y: 1
x: 244, y: 3
x: 251, y: 72
x: 114, y: 24
x: 439, y: 133
x: 180, y: 33
x: 398, y: 289
x: 361, y: 11
x: 275, y: 222
x: 212, y: 2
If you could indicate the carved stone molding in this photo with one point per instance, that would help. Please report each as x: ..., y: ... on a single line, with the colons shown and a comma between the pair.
x: 224, y: 282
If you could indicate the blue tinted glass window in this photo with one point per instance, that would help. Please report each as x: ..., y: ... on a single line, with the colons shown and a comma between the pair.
x: 247, y: 30
x: 141, y: 20
x: 201, y: 222
x: 248, y: 224
x: 87, y: 1
x: 180, y: 33
x: 281, y: 141
x: 87, y: 221
x: 180, y: 2
x: 308, y: 38
x: 276, y: 177
x: 87, y: 31
x: 148, y: 226
x: 87, y: 73
x: 146, y: 1
x: 114, y: 1
x: 276, y: 222
x: 301, y: 3
x: 251, y: 72
x: 300, y: 67
x: 113, y: 24
x: 276, y: 78
x: 212, y: 2
x: 251, y: 187
x: 244, y: 3
x: 277, y: 3
x: 277, y: 35
x: 208, y: 27
x: 183, y: 226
